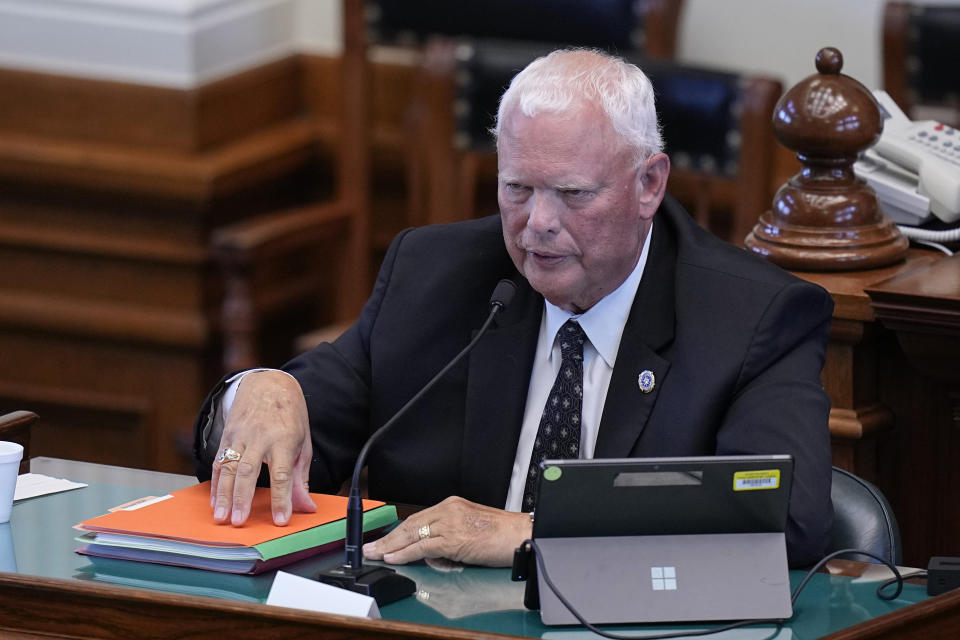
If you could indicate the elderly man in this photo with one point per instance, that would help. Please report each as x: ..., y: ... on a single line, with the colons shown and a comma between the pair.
x: 670, y: 343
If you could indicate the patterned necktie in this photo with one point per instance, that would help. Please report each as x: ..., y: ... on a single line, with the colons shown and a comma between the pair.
x: 559, y: 433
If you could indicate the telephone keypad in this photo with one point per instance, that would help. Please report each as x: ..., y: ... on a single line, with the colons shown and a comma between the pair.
x: 942, y: 147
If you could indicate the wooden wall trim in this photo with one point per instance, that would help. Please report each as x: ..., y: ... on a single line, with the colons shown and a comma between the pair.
x: 161, y: 141
x: 96, y: 244
x: 202, y: 176
x: 134, y: 407
x: 104, y: 320
x: 88, y: 110
x: 861, y: 422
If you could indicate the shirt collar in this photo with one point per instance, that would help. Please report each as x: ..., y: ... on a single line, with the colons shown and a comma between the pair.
x: 604, y: 322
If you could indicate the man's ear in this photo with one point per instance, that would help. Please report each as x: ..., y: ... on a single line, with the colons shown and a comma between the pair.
x: 653, y: 183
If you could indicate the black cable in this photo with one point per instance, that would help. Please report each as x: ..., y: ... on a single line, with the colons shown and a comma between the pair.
x: 887, y: 583
x: 830, y: 556
x: 898, y: 578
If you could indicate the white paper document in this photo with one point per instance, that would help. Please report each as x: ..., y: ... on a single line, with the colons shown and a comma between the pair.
x: 296, y: 592
x: 31, y: 485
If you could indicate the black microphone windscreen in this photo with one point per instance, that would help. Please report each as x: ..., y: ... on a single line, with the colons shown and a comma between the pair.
x: 503, y: 293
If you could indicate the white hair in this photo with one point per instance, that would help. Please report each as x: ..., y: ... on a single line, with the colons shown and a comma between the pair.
x: 562, y: 80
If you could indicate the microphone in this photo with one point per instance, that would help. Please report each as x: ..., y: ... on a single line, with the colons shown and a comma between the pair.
x: 384, y: 584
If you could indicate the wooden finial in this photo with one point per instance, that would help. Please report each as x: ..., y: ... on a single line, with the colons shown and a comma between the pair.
x: 825, y: 217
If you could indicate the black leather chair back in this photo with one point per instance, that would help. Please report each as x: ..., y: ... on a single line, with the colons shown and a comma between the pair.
x: 921, y: 46
x: 716, y: 126
x: 616, y: 24
x: 863, y: 519
x: 699, y: 109
x: 933, y: 51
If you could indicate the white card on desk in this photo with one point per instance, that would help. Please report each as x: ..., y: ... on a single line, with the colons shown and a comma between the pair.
x: 31, y: 485
x: 296, y: 592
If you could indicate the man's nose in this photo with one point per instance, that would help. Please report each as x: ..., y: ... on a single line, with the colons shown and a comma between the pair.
x: 543, y: 213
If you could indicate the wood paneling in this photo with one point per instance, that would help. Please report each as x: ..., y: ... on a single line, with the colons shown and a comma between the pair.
x: 110, y: 304
x: 64, y: 108
x: 15, y: 426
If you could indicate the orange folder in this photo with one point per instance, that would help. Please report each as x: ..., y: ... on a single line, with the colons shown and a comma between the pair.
x: 187, y: 516
x: 178, y: 529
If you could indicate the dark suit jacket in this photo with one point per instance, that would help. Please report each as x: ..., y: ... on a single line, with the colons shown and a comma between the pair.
x: 736, y: 345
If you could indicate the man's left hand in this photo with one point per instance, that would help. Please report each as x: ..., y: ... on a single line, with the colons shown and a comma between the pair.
x: 459, y: 530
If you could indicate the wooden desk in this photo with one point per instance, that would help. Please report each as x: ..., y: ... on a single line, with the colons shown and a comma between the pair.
x: 892, y: 379
x: 88, y: 610
x: 58, y: 594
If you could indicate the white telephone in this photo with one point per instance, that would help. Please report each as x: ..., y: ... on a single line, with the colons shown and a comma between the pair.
x: 914, y: 167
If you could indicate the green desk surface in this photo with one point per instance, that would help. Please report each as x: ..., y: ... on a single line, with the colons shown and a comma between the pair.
x: 39, y: 541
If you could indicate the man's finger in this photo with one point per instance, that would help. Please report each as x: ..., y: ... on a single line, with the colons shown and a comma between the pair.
x: 282, y: 481
x: 408, y: 534
x: 244, y: 484
x: 301, y: 498
x: 223, y: 479
x: 301, y: 486
x: 396, y: 539
x: 426, y: 548
x: 214, y: 483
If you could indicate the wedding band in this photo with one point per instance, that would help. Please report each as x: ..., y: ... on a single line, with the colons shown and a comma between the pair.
x: 228, y: 455
x: 424, y: 532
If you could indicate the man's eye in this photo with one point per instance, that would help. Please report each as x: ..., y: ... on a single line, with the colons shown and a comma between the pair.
x: 515, y: 189
x: 576, y: 193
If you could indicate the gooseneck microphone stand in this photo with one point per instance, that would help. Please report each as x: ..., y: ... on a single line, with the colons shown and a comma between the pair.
x: 381, y: 583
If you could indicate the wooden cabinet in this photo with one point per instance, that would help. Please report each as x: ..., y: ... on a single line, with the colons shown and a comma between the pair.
x: 892, y: 378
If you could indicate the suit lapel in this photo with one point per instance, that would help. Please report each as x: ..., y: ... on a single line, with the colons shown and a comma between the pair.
x: 497, y: 384
x: 649, y: 328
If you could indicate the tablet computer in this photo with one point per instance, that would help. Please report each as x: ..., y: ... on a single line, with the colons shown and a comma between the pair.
x: 665, y: 539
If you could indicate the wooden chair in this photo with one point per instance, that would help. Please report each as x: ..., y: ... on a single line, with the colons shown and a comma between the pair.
x: 15, y: 427
x: 921, y: 46
x: 319, y: 253
x: 717, y: 127
x: 626, y: 25
x: 434, y: 29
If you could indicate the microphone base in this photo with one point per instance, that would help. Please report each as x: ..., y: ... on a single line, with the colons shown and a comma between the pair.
x: 383, y: 584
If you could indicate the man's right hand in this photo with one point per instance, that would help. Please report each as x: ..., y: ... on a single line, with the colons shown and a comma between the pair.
x: 267, y: 423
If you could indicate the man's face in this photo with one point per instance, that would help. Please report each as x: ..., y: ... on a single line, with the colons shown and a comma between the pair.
x: 574, y: 208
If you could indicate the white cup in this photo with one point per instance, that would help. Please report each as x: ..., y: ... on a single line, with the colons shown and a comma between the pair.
x: 10, y: 455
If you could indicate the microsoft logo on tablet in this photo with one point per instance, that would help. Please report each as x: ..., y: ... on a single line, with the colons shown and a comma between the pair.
x: 663, y: 578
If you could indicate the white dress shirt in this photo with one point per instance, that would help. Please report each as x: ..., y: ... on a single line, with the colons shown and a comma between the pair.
x: 603, y: 324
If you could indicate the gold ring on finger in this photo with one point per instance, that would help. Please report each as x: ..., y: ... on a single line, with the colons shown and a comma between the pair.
x: 228, y: 455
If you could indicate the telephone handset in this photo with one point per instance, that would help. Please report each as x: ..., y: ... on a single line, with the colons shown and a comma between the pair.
x: 914, y: 167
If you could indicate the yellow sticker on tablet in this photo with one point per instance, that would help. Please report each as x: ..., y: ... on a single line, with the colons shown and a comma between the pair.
x: 753, y: 480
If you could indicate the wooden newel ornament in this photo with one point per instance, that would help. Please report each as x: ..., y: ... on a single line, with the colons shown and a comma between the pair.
x: 825, y: 218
